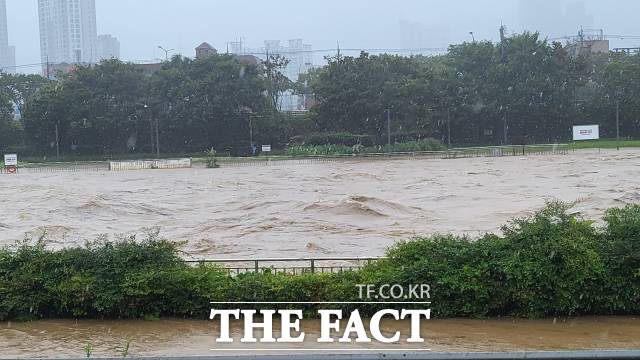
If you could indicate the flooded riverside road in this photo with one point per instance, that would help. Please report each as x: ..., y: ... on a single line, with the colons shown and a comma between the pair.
x: 318, y: 210
x: 183, y: 337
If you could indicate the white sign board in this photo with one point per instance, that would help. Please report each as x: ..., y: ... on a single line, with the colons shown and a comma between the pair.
x: 11, y: 160
x: 266, y: 148
x: 586, y: 132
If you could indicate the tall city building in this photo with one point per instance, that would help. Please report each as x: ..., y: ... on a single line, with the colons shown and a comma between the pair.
x: 7, y: 53
x: 299, y: 55
x: 68, y: 33
x: 108, y: 47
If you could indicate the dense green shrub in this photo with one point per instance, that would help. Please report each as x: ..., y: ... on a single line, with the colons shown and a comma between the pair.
x: 621, y: 251
x: 127, y: 279
x: 459, y: 275
x: 346, y: 139
x: 550, y: 264
x: 306, y: 150
x: 332, y: 149
x: 419, y: 145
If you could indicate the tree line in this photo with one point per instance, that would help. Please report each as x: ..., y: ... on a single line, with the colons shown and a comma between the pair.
x: 521, y: 89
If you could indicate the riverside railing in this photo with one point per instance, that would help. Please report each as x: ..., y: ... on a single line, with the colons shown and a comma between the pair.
x: 289, y: 266
x: 66, y: 167
x: 456, y: 153
x: 102, y: 166
x: 162, y: 164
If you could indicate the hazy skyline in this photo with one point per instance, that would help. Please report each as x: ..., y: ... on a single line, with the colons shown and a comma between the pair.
x: 144, y: 24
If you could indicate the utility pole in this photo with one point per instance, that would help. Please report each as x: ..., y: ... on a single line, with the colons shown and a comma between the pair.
x: 251, y: 131
x: 148, y: 116
x: 57, y: 143
x: 618, y: 124
x: 151, y: 140
x: 158, y: 138
x: 389, y: 130
x: 449, y: 125
x: 506, y: 127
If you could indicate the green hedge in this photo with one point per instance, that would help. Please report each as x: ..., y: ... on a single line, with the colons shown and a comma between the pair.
x: 331, y: 149
x: 342, y: 138
x: 550, y: 264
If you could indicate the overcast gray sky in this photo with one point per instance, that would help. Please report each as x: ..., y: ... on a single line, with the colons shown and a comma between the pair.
x: 142, y: 25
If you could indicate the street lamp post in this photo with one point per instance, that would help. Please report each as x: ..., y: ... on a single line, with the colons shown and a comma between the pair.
x: 57, y: 142
x: 166, y: 52
x: 251, y: 131
x: 618, y: 124
x: 506, y: 115
x: 506, y: 126
x: 449, y: 126
x: 157, y: 138
x: 388, y: 130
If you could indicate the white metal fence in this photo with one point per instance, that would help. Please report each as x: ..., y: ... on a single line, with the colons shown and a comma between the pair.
x: 149, y: 164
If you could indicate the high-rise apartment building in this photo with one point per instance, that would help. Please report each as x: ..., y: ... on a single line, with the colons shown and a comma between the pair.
x: 108, y: 47
x: 7, y: 53
x: 299, y: 55
x: 68, y: 33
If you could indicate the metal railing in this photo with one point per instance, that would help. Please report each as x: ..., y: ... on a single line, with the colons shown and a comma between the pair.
x: 163, y: 164
x: 456, y: 153
x: 78, y: 167
x: 289, y: 266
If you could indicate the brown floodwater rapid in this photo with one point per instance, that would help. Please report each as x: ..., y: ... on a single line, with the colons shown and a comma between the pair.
x: 348, y: 208
x: 342, y: 209
x: 67, y: 338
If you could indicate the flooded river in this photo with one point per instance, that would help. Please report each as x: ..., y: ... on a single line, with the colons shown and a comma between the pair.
x: 322, y: 210
x: 181, y: 337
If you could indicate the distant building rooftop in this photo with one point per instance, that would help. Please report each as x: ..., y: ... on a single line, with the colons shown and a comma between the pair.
x: 205, y: 49
x: 588, y: 42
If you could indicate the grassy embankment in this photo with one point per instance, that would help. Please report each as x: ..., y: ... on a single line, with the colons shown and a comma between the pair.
x: 551, y: 264
x: 297, y: 151
x: 292, y: 152
x: 605, y: 144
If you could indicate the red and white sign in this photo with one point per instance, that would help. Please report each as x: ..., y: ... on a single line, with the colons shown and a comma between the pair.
x: 11, y: 160
x: 11, y: 163
x: 586, y: 132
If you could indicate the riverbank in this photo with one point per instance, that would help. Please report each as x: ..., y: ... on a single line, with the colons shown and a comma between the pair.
x: 200, y: 158
x: 606, y: 144
x: 178, y: 338
x: 552, y: 263
x: 304, y: 152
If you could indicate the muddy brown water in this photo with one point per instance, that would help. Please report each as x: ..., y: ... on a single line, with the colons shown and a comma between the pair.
x: 183, y: 337
x: 321, y: 210
x: 311, y: 210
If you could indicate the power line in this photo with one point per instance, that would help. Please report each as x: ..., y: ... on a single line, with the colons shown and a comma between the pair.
x: 22, y: 66
x: 620, y: 37
x: 284, y: 52
x: 380, y: 50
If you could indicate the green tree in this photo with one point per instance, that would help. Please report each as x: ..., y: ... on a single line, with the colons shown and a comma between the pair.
x: 94, y: 109
x: 209, y: 102
x: 276, y: 83
x: 354, y: 94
